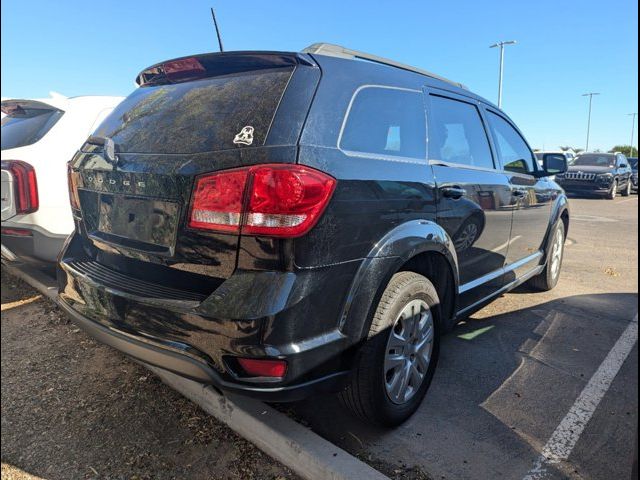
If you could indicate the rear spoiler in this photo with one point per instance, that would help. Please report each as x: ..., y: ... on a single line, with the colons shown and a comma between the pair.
x: 184, y: 69
x: 19, y: 105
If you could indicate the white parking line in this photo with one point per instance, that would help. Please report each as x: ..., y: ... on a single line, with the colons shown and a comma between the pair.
x: 629, y: 200
x: 567, y: 434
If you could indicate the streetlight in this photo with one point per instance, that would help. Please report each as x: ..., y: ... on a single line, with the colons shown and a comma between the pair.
x: 501, y: 45
x: 590, y: 95
x: 633, y: 130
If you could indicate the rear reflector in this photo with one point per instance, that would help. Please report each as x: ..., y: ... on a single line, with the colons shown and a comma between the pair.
x: 16, y: 232
x: 72, y: 177
x: 263, y: 368
x: 25, y: 185
x: 280, y: 200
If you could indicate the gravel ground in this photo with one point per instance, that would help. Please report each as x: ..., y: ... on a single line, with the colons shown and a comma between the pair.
x: 72, y: 409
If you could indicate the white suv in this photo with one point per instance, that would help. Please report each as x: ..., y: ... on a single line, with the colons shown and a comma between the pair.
x: 39, y: 137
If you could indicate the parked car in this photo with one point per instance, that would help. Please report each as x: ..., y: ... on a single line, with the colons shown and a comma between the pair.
x: 633, y: 163
x: 605, y: 174
x: 39, y: 137
x: 277, y: 225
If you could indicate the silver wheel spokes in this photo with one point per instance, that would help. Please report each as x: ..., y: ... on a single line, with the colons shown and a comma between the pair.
x: 408, y: 351
x: 467, y: 238
x: 556, y: 253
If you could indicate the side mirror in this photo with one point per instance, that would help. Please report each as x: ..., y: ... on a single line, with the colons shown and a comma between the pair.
x: 554, y: 164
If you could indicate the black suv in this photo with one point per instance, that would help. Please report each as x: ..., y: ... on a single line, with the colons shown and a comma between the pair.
x: 279, y: 224
x: 605, y: 174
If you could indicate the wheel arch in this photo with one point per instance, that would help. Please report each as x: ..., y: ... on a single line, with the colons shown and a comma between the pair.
x: 420, y: 246
x: 559, y: 212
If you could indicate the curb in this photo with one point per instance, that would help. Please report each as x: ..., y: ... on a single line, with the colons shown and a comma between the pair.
x: 37, y: 279
x: 306, y: 453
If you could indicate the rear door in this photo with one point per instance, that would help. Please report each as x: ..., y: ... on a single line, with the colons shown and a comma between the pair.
x: 136, y: 173
x: 473, y: 197
x: 531, y: 197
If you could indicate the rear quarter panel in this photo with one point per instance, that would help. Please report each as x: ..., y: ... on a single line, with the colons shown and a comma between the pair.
x: 373, y: 195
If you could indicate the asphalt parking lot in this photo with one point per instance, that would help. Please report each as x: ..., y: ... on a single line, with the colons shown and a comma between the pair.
x: 507, y: 378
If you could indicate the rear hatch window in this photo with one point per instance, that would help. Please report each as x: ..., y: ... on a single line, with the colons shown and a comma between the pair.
x: 205, y: 115
x: 25, y: 125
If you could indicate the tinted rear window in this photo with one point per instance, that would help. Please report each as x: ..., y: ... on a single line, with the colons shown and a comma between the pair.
x: 198, y: 116
x: 26, y: 126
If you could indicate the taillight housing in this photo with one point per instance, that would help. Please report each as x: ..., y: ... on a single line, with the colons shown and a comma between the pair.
x: 25, y: 185
x: 274, y: 200
x: 72, y: 178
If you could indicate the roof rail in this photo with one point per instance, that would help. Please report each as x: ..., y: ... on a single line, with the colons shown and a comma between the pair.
x: 342, y: 52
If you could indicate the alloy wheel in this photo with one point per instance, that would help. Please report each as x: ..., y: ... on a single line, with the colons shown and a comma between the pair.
x: 556, y: 253
x: 408, y: 352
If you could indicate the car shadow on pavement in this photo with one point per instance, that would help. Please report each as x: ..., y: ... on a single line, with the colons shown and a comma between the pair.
x: 502, y: 385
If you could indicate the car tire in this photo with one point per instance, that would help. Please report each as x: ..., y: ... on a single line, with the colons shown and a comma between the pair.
x: 373, y: 392
x: 613, y: 193
x: 548, y: 279
x: 627, y: 190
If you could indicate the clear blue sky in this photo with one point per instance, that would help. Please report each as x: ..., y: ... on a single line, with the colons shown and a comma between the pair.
x: 565, y: 48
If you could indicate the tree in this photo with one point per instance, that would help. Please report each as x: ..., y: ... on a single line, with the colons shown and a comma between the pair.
x: 626, y: 150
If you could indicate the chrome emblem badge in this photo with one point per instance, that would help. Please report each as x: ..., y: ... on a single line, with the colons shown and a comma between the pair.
x: 110, y: 151
x: 245, y: 137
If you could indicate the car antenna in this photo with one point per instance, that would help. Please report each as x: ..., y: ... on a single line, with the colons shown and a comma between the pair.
x: 215, y: 23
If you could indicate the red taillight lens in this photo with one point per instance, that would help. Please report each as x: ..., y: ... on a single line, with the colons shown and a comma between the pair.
x: 25, y: 185
x: 217, y: 201
x: 183, y: 65
x: 16, y: 232
x: 263, y: 368
x: 72, y: 178
x: 286, y: 201
x: 270, y: 200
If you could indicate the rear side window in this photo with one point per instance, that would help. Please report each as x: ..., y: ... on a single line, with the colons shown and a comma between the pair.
x: 512, y: 149
x: 387, y: 122
x: 26, y: 126
x: 457, y: 135
x: 198, y: 116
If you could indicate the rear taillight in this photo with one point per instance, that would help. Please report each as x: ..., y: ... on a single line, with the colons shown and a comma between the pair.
x: 269, y: 200
x: 72, y: 178
x: 25, y: 185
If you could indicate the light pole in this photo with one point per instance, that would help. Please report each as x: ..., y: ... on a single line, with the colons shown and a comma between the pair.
x: 633, y: 130
x: 501, y: 45
x: 590, y: 95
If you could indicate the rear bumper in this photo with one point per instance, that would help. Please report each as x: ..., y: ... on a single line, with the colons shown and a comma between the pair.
x: 166, y: 357
x: 39, y: 246
x: 294, y: 316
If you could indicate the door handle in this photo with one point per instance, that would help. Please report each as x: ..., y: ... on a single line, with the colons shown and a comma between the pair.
x: 453, y: 192
x: 519, y: 193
